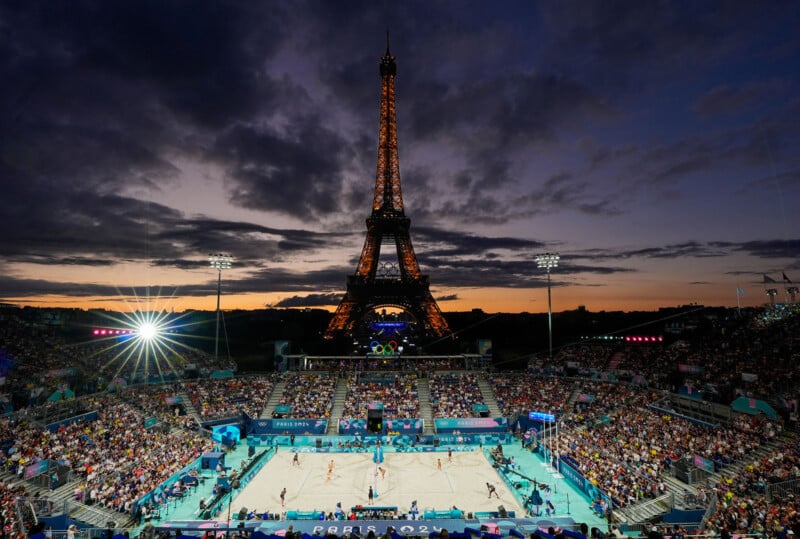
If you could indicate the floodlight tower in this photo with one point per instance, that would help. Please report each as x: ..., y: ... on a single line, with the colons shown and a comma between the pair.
x: 219, y: 262
x: 548, y: 261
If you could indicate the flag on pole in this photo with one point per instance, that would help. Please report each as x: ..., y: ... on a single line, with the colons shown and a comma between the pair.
x: 741, y: 291
x: 786, y: 279
x: 768, y: 279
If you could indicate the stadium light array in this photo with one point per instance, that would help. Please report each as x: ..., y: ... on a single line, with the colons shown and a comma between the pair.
x: 219, y: 261
x: 644, y: 338
x: 548, y: 261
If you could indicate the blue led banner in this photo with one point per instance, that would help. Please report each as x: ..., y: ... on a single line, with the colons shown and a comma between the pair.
x: 291, y: 426
x: 471, y: 424
x: 541, y: 416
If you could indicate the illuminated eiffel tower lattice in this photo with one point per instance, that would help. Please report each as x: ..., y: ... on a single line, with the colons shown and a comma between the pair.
x: 397, y: 283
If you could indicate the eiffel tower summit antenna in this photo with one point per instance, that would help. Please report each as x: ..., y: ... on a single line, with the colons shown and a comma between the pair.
x: 378, y: 284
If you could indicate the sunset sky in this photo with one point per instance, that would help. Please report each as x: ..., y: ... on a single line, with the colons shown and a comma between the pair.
x: 654, y: 145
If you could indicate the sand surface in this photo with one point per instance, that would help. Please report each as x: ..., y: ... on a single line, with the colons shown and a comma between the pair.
x: 409, y: 476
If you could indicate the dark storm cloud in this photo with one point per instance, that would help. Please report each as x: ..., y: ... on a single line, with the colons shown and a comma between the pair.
x: 48, y: 260
x: 761, y: 145
x: 275, y: 279
x: 181, y: 263
x: 199, y: 59
x: 462, y: 260
x: 565, y: 192
x: 598, y: 155
x: 134, y: 68
x: 87, y: 228
x: 16, y: 287
x: 729, y: 99
x: 99, y: 98
x: 775, y: 182
x: 262, y: 280
x: 688, y: 249
x: 311, y: 300
x: 248, y: 242
x: 481, y: 198
x: 95, y: 98
x: 497, y: 273
x: 514, y: 110
x: 767, y: 249
x: 693, y: 249
x: 570, y: 268
x: 456, y: 243
x: 460, y: 266
x: 771, y: 248
x: 622, y: 44
x: 75, y: 225
x: 299, y: 173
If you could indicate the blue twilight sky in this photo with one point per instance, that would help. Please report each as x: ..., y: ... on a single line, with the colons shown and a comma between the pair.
x: 654, y: 145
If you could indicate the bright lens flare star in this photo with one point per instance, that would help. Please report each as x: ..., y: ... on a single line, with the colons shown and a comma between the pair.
x: 145, y: 345
x: 147, y: 331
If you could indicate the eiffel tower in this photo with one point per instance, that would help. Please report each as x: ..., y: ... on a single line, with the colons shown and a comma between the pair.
x: 375, y: 283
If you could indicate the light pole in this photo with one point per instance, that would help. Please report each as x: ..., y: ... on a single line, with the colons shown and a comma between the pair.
x: 219, y: 261
x: 548, y: 261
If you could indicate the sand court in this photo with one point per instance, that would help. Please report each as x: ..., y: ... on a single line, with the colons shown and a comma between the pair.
x: 409, y: 476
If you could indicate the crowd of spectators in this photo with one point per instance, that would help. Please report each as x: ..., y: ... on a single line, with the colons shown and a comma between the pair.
x: 454, y: 394
x: 526, y: 392
x: 625, y: 454
x: 608, y: 431
x: 9, y: 493
x: 229, y: 397
x: 403, y: 363
x: 711, y: 357
x: 34, y: 357
x: 161, y: 402
x: 309, y: 395
x: 116, y: 458
x: 742, y: 503
x: 596, y: 401
x: 397, y: 392
x: 39, y: 358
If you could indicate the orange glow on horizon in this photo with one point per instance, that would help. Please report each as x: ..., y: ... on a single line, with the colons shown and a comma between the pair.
x: 490, y: 300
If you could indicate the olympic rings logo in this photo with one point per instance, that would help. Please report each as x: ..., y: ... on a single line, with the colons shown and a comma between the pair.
x: 387, y: 349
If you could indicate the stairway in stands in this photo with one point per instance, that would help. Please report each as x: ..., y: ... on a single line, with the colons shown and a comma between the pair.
x: 573, y: 398
x: 425, y: 408
x: 644, y: 511
x: 189, y: 405
x: 489, y: 397
x: 753, y: 457
x: 94, y: 516
x: 64, y: 496
x: 651, y: 509
x: 274, y: 399
x: 339, y: 397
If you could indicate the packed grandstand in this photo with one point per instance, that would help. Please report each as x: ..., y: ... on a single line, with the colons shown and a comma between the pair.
x: 640, y: 422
